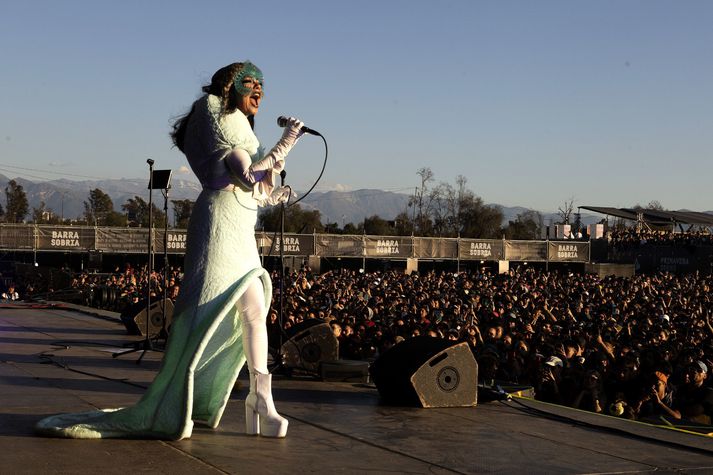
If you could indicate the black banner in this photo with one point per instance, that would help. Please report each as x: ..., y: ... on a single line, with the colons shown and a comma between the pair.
x: 677, y: 260
x: 526, y: 250
x: 135, y: 240
x: 175, y: 242
x: 294, y: 245
x: 65, y: 238
x: 568, y: 251
x: 481, y: 249
x: 17, y: 236
x: 123, y: 240
x: 386, y: 246
x: 435, y: 248
x: 329, y: 245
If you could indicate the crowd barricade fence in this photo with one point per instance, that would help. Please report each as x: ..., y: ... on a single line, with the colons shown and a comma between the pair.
x: 111, y: 240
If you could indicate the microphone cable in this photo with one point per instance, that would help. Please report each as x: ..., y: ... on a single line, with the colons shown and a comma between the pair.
x: 324, y: 166
x: 283, y: 331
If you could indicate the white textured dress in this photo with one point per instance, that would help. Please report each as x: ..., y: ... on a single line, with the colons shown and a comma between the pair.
x: 204, y: 353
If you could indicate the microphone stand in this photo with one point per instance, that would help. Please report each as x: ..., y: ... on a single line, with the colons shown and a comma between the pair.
x: 145, y: 345
x: 158, y: 179
x: 278, y: 357
x: 163, y: 334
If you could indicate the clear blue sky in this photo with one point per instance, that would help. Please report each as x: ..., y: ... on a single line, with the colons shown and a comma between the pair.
x: 534, y: 102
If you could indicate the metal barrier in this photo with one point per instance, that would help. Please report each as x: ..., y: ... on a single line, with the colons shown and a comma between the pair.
x: 42, y: 238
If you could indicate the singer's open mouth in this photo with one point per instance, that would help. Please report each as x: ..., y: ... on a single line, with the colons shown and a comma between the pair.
x: 255, y: 100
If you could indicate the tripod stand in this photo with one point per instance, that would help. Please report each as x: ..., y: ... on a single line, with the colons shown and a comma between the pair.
x: 159, y: 179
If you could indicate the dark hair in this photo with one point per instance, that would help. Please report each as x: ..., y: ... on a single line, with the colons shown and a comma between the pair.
x: 221, y: 85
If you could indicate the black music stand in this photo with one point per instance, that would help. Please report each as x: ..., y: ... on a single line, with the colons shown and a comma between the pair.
x: 158, y: 179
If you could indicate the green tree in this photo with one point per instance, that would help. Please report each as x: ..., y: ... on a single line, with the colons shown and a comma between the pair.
x: 16, y: 199
x: 137, y: 211
x: 527, y: 225
x: 351, y: 228
x: 440, y: 210
x: 457, y: 211
x: 97, y: 209
x: 446, y: 208
x: 182, y: 210
x: 403, y: 226
x: 297, y: 220
x: 332, y: 228
x: 114, y: 218
x: 479, y: 220
x: 377, y: 226
x: 41, y: 214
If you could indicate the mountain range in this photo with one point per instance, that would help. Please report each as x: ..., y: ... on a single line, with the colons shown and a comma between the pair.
x: 66, y: 199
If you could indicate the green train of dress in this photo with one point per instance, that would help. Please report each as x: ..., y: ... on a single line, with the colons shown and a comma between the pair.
x: 205, y: 351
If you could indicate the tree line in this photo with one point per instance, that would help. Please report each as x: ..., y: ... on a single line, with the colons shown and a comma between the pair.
x: 434, y: 210
x: 98, y: 210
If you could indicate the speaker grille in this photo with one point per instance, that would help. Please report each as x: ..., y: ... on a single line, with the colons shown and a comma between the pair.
x: 448, y: 379
x: 427, y: 372
x: 134, y: 317
x: 311, y: 353
x: 311, y: 344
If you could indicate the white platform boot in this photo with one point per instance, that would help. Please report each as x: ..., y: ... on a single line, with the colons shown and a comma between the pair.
x: 261, y: 417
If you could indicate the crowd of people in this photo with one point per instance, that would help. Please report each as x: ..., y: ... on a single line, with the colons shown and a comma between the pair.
x: 638, y: 347
x: 125, y: 287
x: 630, y: 239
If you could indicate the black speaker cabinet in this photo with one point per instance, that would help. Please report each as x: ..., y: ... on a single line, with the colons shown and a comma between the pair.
x: 134, y: 317
x: 427, y: 372
x: 309, y: 343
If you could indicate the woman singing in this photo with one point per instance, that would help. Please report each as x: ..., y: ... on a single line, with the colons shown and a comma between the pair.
x: 219, y: 318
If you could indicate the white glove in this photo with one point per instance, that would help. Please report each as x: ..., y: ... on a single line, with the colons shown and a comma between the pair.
x: 279, y: 195
x: 293, y: 130
x: 240, y: 163
x: 275, y: 159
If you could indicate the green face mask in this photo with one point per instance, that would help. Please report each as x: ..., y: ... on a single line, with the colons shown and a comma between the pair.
x: 246, y: 79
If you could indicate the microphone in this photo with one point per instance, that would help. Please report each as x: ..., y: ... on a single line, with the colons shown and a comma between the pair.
x: 150, y: 162
x: 282, y: 122
x: 283, y: 174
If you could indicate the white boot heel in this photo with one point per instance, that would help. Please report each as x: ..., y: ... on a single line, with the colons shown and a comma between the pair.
x: 261, y: 417
x: 252, y: 418
x: 252, y: 421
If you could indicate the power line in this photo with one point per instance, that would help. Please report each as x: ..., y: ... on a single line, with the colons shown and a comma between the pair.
x: 25, y: 174
x: 11, y: 168
x: 3, y: 166
x: 6, y: 167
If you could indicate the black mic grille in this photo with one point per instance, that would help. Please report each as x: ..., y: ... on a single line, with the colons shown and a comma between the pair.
x: 282, y: 121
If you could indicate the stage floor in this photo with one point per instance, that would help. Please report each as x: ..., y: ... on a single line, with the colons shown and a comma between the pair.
x: 59, y: 359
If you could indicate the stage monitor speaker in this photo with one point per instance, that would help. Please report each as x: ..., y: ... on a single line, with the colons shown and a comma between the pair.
x: 134, y: 317
x: 427, y: 372
x: 309, y: 343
